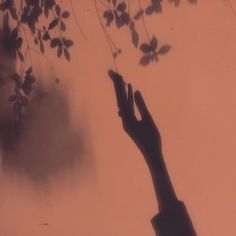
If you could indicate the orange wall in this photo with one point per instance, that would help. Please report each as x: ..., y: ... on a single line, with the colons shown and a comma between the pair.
x: 191, y: 94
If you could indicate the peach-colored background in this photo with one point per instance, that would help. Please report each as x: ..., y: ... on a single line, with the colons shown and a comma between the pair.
x: 191, y: 94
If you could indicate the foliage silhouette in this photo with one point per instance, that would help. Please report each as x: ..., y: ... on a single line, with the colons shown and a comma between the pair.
x: 117, y: 14
x: 18, y: 18
x: 46, y: 22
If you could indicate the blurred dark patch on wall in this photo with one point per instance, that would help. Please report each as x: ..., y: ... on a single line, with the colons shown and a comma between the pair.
x: 45, y: 143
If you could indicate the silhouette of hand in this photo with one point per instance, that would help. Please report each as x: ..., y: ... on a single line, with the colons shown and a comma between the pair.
x: 143, y: 132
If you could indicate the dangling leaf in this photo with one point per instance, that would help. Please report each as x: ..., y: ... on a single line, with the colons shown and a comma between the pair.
x: 145, y: 60
x: 67, y: 54
x: 58, y: 10
x: 63, y: 26
x: 109, y: 16
x: 149, y: 10
x: 55, y: 42
x: 121, y: 7
x: 145, y: 48
x: 46, y: 36
x: 65, y: 14
x: 125, y: 18
x: 164, y: 49
x: 53, y: 23
x: 153, y: 43
x: 68, y: 43
x: 139, y: 14
x: 135, y: 38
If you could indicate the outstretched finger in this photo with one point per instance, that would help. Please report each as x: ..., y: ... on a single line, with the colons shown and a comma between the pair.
x: 143, y: 110
x: 131, y: 98
x: 119, y: 86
